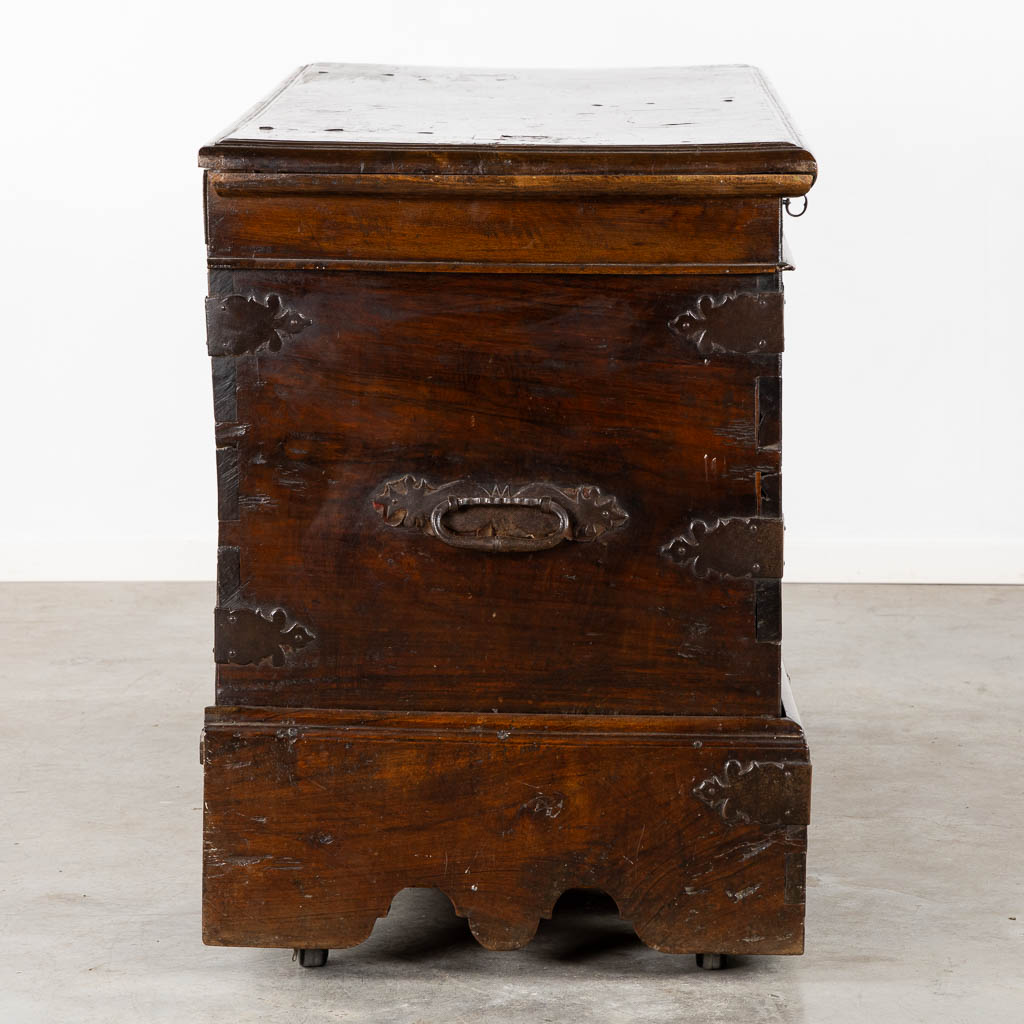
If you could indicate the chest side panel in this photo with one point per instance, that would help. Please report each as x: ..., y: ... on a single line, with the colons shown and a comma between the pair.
x: 622, y: 431
x: 492, y: 230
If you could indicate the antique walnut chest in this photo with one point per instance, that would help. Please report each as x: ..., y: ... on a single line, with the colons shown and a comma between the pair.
x: 496, y: 365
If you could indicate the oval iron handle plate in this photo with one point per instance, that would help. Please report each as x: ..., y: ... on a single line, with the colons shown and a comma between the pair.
x: 582, y: 512
x: 500, y: 543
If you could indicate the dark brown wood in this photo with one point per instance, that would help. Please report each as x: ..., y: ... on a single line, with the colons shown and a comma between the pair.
x: 603, y: 230
x: 497, y: 384
x: 795, y: 167
x: 494, y: 381
x: 768, y: 610
x: 227, y: 483
x: 521, y: 266
x: 769, y: 413
x: 690, y: 824
x: 472, y: 185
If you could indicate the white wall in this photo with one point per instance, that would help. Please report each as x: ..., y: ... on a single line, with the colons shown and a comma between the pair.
x: 904, y: 360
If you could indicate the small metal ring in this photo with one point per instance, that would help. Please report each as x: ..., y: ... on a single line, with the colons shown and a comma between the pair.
x: 786, y: 202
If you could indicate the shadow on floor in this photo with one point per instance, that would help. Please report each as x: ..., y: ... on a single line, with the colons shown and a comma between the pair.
x: 585, y: 929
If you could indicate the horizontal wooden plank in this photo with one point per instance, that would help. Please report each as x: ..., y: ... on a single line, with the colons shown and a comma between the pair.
x: 497, y: 230
x: 716, y: 185
x: 723, y: 729
x: 327, y: 158
x: 497, y: 267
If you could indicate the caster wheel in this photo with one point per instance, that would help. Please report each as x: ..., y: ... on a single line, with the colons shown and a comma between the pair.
x: 312, y: 957
x: 711, y: 961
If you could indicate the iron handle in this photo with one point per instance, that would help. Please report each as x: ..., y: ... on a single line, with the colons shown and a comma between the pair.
x: 501, y: 542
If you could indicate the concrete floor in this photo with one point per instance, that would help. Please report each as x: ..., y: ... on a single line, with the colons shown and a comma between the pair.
x: 914, y: 704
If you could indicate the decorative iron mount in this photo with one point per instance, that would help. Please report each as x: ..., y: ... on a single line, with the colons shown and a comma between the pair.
x: 732, y: 549
x: 761, y: 792
x: 531, y: 517
x: 739, y: 323
x: 240, y: 324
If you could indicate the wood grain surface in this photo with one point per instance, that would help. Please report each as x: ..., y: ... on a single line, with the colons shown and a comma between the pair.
x: 495, y: 381
x: 314, y: 821
x: 706, y: 185
x: 540, y: 228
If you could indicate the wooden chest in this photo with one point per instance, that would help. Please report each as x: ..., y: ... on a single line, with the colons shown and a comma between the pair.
x: 496, y: 362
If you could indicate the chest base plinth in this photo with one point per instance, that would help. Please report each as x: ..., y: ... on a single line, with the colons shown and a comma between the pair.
x: 695, y: 827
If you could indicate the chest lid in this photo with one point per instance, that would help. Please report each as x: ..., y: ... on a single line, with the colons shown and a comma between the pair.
x: 375, y: 118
